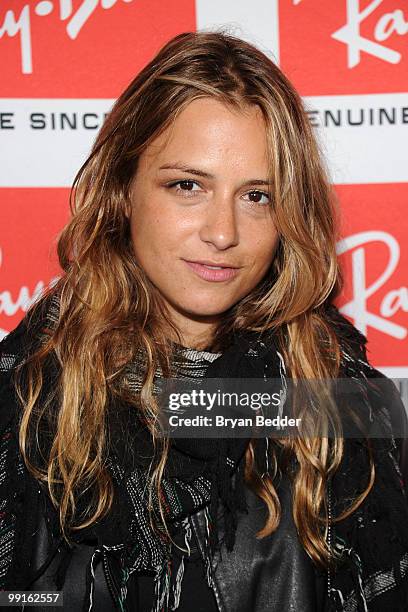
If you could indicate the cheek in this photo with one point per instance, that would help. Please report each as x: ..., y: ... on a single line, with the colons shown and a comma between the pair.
x: 145, y: 226
x: 155, y: 237
x: 263, y: 248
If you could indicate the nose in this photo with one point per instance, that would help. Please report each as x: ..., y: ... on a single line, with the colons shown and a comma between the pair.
x: 219, y: 226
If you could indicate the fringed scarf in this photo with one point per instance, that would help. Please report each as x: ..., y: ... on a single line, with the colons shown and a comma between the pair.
x: 198, y: 475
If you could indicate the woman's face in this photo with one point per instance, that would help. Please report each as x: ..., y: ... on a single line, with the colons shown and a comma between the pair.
x: 199, y: 199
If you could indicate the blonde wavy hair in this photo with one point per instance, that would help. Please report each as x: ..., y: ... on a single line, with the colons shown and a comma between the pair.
x: 109, y: 310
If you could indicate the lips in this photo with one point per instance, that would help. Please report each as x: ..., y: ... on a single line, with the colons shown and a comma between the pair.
x: 216, y: 264
x: 210, y: 271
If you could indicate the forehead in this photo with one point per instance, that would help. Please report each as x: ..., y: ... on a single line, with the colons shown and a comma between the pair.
x: 207, y: 131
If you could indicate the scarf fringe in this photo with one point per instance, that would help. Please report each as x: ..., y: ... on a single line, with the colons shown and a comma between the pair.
x: 162, y: 588
x: 180, y: 572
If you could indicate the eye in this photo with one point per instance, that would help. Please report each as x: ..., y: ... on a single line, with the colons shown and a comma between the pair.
x: 186, y: 182
x: 186, y: 186
x: 259, y: 194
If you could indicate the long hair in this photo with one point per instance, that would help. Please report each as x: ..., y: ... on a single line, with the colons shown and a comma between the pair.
x: 109, y: 310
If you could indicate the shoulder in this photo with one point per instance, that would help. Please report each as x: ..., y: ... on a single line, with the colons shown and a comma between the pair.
x: 17, y: 346
x: 353, y: 342
x: 24, y: 338
x: 381, y: 392
x: 355, y: 364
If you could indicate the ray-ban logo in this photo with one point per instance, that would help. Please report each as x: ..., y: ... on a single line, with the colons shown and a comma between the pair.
x: 14, y: 24
x: 10, y: 306
x: 388, y: 24
x: 395, y: 300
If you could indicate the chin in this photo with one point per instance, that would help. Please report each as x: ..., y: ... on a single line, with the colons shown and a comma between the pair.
x: 204, y: 310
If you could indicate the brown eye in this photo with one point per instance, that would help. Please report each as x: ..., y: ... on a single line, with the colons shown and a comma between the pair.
x: 189, y: 183
x: 258, y: 197
x: 186, y: 182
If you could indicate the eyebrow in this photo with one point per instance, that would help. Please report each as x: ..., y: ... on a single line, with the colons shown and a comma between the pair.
x: 198, y: 172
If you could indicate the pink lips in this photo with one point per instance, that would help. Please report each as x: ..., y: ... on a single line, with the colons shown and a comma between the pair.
x: 210, y: 274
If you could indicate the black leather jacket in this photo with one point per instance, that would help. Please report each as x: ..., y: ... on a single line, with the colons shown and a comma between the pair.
x: 273, y: 573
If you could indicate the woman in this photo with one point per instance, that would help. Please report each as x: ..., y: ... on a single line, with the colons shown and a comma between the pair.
x: 201, y: 245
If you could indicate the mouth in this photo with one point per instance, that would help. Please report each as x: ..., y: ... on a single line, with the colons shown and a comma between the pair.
x: 211, y: 271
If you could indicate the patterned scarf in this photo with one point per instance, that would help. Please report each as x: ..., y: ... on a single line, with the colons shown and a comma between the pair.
x: 198, y: 475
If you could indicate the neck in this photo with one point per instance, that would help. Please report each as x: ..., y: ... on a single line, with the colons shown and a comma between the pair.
x: 193, y: 342
x: 195, y: 333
